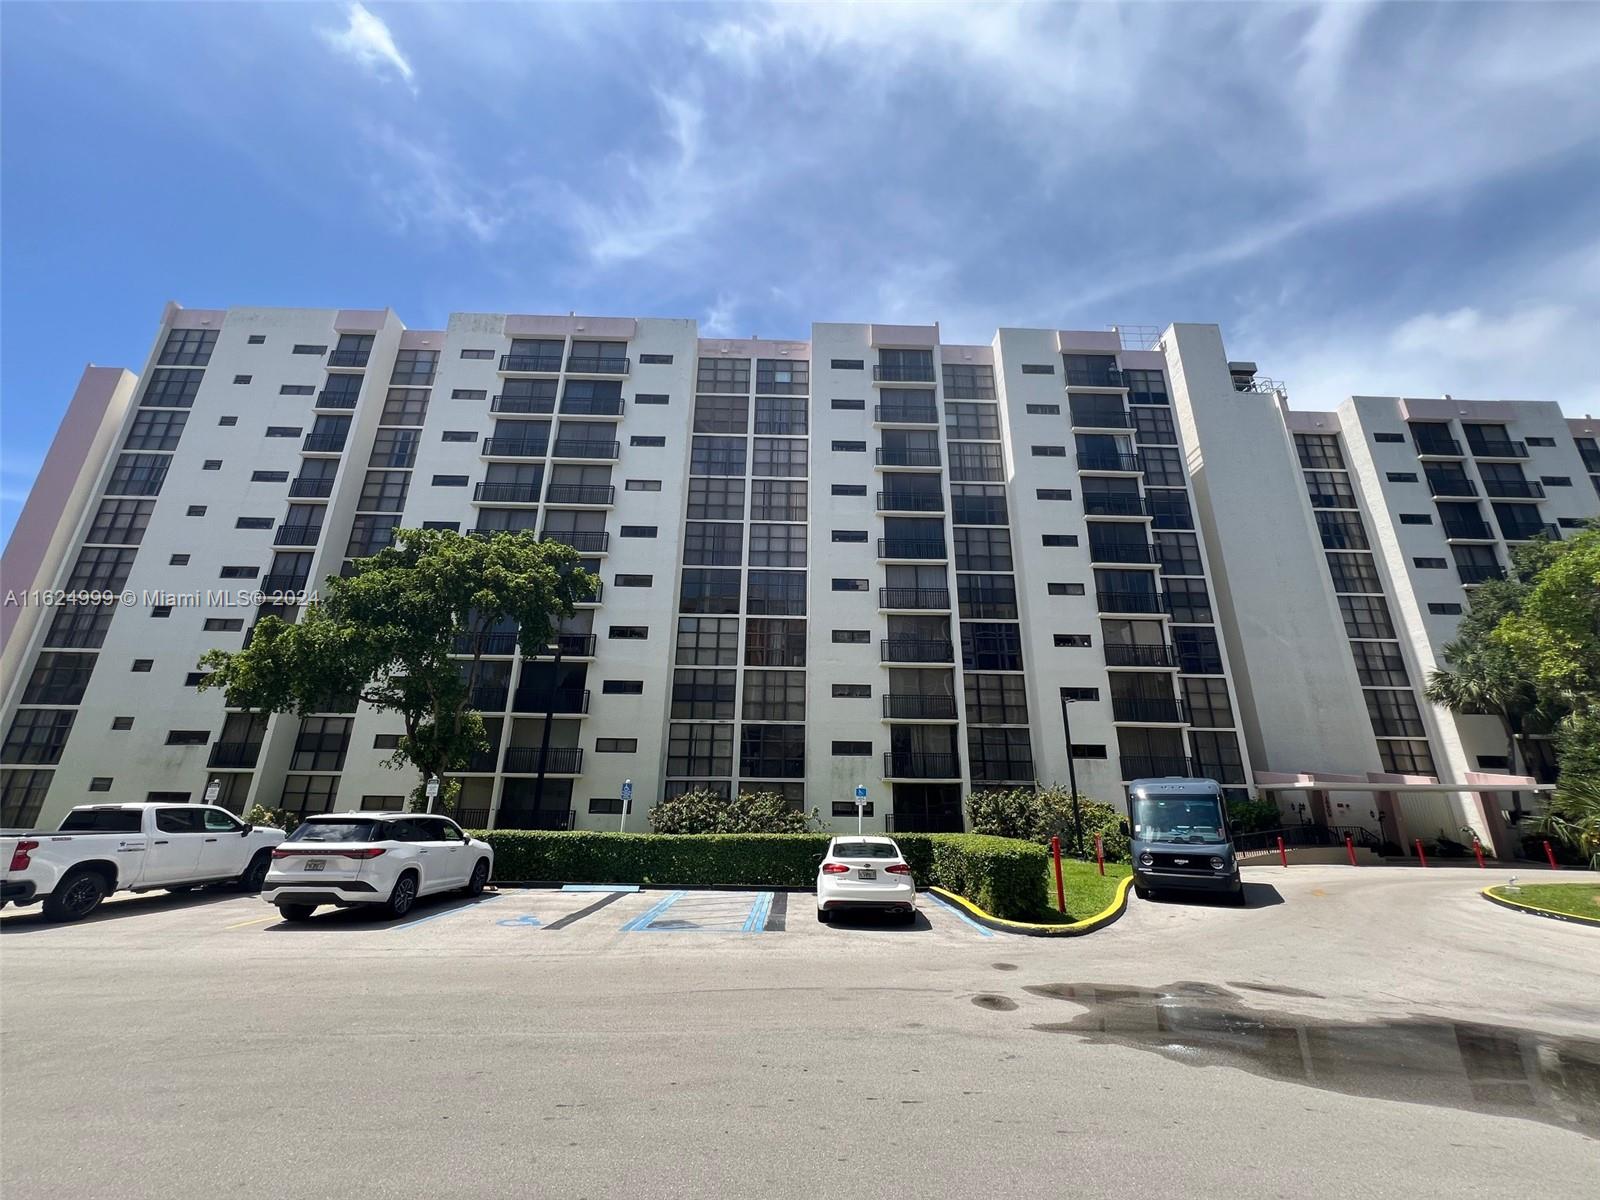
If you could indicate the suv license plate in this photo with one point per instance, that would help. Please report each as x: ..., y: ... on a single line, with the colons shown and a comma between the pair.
x: 868, y: 873
x: 316, y: 864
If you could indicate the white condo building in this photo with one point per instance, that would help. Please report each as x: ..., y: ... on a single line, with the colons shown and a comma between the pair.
x: 867, y: 557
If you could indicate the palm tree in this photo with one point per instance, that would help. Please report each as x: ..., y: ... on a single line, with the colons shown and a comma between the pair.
x: 1476, y: 687
x: 1574, y: 816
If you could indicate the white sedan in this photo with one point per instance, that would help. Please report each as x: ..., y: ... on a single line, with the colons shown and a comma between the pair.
x: 383, y: 859
x: 865, y: 873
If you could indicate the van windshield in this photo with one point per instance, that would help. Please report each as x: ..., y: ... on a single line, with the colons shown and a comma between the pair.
x: 1178, y: 818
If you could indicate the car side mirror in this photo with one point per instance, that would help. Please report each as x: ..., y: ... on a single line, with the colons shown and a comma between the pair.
x: 1123, y: 827
x: 245, y: 832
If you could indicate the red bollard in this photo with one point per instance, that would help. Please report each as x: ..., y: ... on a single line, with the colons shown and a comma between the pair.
x: 1420, y: 854
x: 1350, y: 849
x: 1477, y: 849
x: 1551, y: 855
x: 1061, y: 891
x: 1100, y: 853
x: 1282, y: 853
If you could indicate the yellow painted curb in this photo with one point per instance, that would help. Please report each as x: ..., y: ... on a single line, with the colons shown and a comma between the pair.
x: 1032, y: 929
x: 1535, y: 911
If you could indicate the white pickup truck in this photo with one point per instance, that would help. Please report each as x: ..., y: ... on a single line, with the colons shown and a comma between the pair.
x: 105, y: 848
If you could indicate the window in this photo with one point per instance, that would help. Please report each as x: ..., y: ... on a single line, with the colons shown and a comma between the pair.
x: 852, y: 691
x: 717, y: 456
x: 161, y: 610
x: 776, y: 593
x: 995, y: 699
x: 1406, y: 758
x: 171, y: 389
x: 622, y: 687
x: 1540, y: 441
x: 639, y: 531
x: 156, y: 429
x: 1053, y: 494
x: 840, y: 447
x: 121, y: 722
x: 1445, y: 610
x: 703, y: 695
x: 1049, y: 451
x: 1145, y: 386
x: 772, y: 751
x: 453, y: 526
x: 1073, y: 640
x: 223, y: 624
x: 651, y: 398
x: 991, y: 647
x: 414, y: 367
x: 458, y: 435
x: 269, y: 477
x: 1416, y: 519
x: 1430, y: 564
x: 1341, y: 530
x: 726, y: 375
x: 1216, y: 756
x: 120, y: 522
x: 1379, y: 664
x: 705, y: 591
x: 195, y: 510
x: 238, y: 572
x: 188, y: 348
x: 1044, y: 410
x: 848, y: 364
x: 477, y: 354
x: 777, y: 500
x: 982, y: 549
x: 100, y: 570
x: 707, y: 641
x: 100, y: 783
x: 384, y: 491
x: 79, y: 626
x: 647, y: 440
x: 1388, y: 437
x: 849, y: 405
x: 721, y: 414
x: 969, y: 381
x: 138, y: 475
x: 850, y: 535
x: 615, y: 745
x: 783, y: 457
x: 188, y: 737
x: 1188, y: 600
x: 309, y: 793
x: 1153, y: 427
x: 1556, y: 480
x: 782, y: 414
x: 851, y: 637
x: 852, y: 750
x: 1207, y: 702
x: 849, y: 489
x: 1161, y: 466
x: 453, y: 481
x: 1060, y: 539
x: 637, y: 633
x: 296, y: 389
x: 1178, y: 553
x: 972, y: 422
x: 302, y: 348
x: 59, y: 678
x: 1365, y: 617
x: 1319, y: 451
x: 256, y: 339
x: 227, y: 420
x: 700, y: 750
x: 1401, y: 476
x: 642, y: 485
x: 656, y: 360
x: 1080, y: 693
x: 469, y: 394
x: 1393, y: 713
x: 1065, y: 589
x: 778, y: 545
x: 972, y: 463
x: 774, y: 643
x: 847, y: 808
x: 716, y: 499
x: 774, y: 696
x: 1038, y: 368
x: 783, y: 377
x: 37, y: 736
x: 633, y: 581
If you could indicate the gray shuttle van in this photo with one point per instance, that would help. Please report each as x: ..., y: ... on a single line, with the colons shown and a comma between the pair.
x: 1181, y: 842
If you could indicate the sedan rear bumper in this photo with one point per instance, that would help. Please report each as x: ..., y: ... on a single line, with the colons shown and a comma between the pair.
x: 898, y: 897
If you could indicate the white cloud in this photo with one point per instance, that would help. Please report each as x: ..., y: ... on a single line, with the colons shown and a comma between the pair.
x: 424, y: 189
x: 719, y: 318
x: 368, y: 42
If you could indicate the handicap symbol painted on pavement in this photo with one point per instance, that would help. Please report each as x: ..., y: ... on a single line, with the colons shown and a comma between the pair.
x: 528, y: 920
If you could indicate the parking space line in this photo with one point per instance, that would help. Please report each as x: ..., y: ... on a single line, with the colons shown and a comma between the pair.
x: 951, y: 908
x: 583, y: 912
x: 449, y: 912
x: 255, y: 921
x: 644, y: 918
x: 757, y: 920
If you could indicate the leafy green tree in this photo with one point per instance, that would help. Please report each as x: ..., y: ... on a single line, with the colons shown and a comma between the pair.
x: 706, y: 811
x: 1038, y: 814
x: 1554, y: 634
x: 404, y: 633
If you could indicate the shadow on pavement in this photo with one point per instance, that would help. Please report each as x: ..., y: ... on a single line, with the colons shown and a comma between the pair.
x: 880, y: 922
x: 32, y: 919
x: 370, y: 916
x: 1256, y: 895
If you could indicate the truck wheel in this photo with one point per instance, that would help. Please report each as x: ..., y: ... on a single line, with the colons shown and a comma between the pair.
x: 296, y: 912
x: 480, y: 878
x: 403, y: 897
x: 256, y: 873
x: 75, y: 897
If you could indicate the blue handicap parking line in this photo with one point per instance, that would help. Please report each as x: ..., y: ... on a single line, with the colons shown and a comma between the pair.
x: 449, y: 912
x: 644, y: 918
x: 527, y: 920
x: 704, y: 912
x: 757, y: 920
x: 948, y: 907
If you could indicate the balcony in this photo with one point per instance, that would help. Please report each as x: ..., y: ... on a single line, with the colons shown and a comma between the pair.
x: 297, y: 535
x: 592, y: 364
x: 530, y: 364
x: 472, y: 818
x: 588, y: 541
x: 584, y: 448
x: 506, y: 493
x: 571, y: 645
x: 909, y: 456
x: 233, y: 754
x: 1101, y: 418
x: 329, y: 399
x: 917, y: 650
x: 490, y: 697
x: 1526, y: 533
x: 594, y: 599
x: 1001, y: 770
x: 1472, y: 574
x: 323, y: 443
x: 905, y: 414
x: 483, y: 761
x: 1513, y: 489
x: 348, y: 358
x: 913, y: 548
x: 592, y: 406
x: 915, y: 765
x: 1148, y: 710
x: 1140, y: 654
x: 1496, y: 447
x: 1437, y: 447
x: 1154, y: 766
x: 513, y: 817
x: 918, y: 708
x: 911, y: 502
x: 580, y: 493
x: 311, y: 489
x: 903, y: 373
x: 1131, y: 602
x: 1121, y: 552
x: 1118, y: 504
x: 283, y: 582
x: 914, y: 598
x: 558, y: 760
x: 1094, y: 377
x: 562, y: 700
x: 1107, y: 460
x: 1467, y: 531
x: 523, y: 405
x: 504, y: 447
x: 1446, y: 487
x: 485, y: 643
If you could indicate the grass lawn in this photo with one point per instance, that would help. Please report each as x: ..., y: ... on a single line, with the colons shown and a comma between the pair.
x: 1578, y: 899
x: 1087, y: 891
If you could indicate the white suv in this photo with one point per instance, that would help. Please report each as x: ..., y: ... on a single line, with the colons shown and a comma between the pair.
x: 380, y: 858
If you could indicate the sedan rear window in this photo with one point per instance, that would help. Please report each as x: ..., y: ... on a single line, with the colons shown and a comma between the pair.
x: 338, y: 831
x: 864, y: 850
x: 103, y: 820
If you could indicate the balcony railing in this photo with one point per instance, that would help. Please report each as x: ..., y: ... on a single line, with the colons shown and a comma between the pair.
x: 920, y: 548
x: 1107, y: 460
x: 1001, y: 770
x: 1447, y: 486
x: 558, y: 760
x: 580, y: 493
x: 594, y: 599
x: 1497, y: 447
x: 348, y: 358
x: 233, y: 754
x: 323, y: 443
x: 327, y: 399
x: 912, y: 597
x: 903, y: 373
x: 548, y: 363
x: 562, y: 700
x: 1471, y: 573
x: 297, y: 535
x: 1131, y: 602
x: 919, y: 650
x: 1121, y: 552
x: 916, y: 765
x: 490, y: 698
x: 1526, y: 533
x: 591, y: 406
x: 485, y: 643
x: 591, y: 364
x: 1470, y: 530
x: 592, y: 541
x: 1140, y: 654
x: 472, y: 818
x: 542, y: 405
x: 544, y: 818
x: 1101, y: 418
x: 505, y: 447
x: 1154, y: 766
x: 1513, y: 489
x: 507, y: 493
x: 573, y: 645
x: 1160, y: 709
x: 1437, y: 447
x: 908, y: 456
x: 283, y: 582
x: 1094, y: 377
x: 910, y: 502
x: 1116, y: 504
x: 919, y: 708
x: 905, y: 414
x: 311, y: 488
x: 483, y: 760
x: 584, y: 448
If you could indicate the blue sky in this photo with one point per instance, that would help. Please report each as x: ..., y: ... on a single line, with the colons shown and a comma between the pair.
x: 1367, y: 198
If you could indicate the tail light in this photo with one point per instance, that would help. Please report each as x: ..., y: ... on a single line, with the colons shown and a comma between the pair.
x: 835, y: 869
x: 19, y: 856
x: 312, y: 851
x: 898, y: 868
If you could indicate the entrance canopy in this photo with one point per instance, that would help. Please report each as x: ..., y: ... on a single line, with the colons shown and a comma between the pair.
x: 1477, y: 782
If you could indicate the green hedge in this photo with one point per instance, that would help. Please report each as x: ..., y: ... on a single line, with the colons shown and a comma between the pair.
x: 999, y: 875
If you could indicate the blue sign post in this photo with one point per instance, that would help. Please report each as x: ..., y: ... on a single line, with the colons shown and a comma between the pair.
x: 861, y: 805
x: 627, y: 803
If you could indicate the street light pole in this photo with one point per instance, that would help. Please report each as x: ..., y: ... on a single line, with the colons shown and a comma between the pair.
x: 1072, y: 779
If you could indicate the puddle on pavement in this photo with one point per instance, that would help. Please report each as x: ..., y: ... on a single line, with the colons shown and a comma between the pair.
x: 1492, y: 1069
